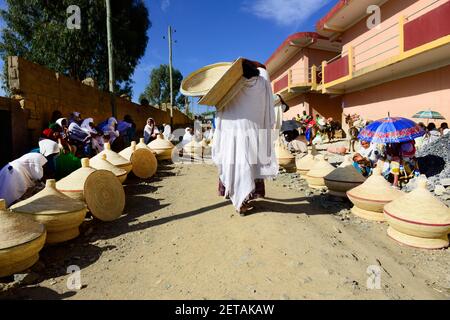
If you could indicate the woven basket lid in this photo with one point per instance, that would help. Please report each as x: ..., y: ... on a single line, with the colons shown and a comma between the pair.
x: 308, y: 161
x: 16, y: 230
x: 113, y: 157
x: 376, y: 188
x: 128, y: 152
x: 198, y: 83
x: 346, y: 174
x: 420, y: 206
x: 104, y: 195
x: 102, y: 163
x: 48, y: 202
x: 321, y: 168
x: 144, y: 163
x: 161, y: 144
x: 75, y: 181
x: 192, y: 146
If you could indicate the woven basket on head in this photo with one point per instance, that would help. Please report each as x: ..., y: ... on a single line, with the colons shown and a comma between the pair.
x: 21, y: 239
x: 316, y: 176
x: 418, y: 219
x: 370, y: 198
x: 162, y: 147
x: 307, y: 162
x: 343, y: 179
x: 221, y: 88
x: 115, y: 158
x: 61, y: 215
x: 105, y: 196
x: 102, y: 163
x: 198, y: 83
x: 73, y: 184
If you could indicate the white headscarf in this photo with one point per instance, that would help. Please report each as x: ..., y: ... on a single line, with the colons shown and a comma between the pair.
x: 167, y: 132
x: 149, y: 130
x: 20, y: 175
x: 86, y: 126
x: 110, y: 129
x: 59, y: 122
x: 48, y: 147
x: 77, y: 133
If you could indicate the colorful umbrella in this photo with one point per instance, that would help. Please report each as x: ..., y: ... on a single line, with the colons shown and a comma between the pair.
x: 430, y: 115
x: 391, y: 130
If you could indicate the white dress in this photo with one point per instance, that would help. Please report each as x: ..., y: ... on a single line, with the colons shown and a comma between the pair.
x: 243, y: 151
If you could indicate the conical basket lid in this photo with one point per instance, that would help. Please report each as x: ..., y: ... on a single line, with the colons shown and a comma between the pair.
x: 16, y: 230
x: 192, y: 145
x: 104, y: 195
x: 321, y: 168
x: 282, y: 152
x: 377, y: 189
x: 48, y: 202
x: 420, y: 206
x: 127, y: 152
x: 308, y: 161
x: 161, y: 144
x: 113, y: 157
x: 346, y: 174
x: 204, y: 144
x: 102, y: 163
x: 75, y: 181
x: 144, y: 163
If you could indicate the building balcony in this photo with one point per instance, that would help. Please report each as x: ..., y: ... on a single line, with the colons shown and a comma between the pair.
x: 409, y: 45
x: 292, y: 81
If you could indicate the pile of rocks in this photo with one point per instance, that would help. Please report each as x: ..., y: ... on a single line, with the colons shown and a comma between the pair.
x: 434, y: 161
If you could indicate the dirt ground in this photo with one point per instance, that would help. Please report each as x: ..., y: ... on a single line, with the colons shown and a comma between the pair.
x: 179, y: 240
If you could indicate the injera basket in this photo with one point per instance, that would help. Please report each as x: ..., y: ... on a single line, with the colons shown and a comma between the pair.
x: 198, y: 83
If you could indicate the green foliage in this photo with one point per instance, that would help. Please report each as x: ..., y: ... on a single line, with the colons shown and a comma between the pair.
x: 158, y: 90
x: 37, y: 31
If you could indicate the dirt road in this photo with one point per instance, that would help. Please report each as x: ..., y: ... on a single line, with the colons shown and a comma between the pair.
x: 179, y: 240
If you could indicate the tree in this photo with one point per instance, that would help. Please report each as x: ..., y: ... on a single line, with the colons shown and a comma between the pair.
x: 158, y: 90
x: 37, y: 31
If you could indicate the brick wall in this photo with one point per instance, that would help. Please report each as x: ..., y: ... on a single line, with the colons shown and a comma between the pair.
x: 45, y: 91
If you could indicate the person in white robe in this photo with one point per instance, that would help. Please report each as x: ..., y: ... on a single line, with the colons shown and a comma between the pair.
x: 243, y: 147
x: 20, y: 175
x: 150, y: 131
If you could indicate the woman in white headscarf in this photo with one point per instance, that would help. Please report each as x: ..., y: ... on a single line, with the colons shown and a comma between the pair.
x: 243, y: 140
x: 97, y: 141
x: 167, y: 132
x: 150, y: 131
x: 110, y: 129
x: 20, y: 175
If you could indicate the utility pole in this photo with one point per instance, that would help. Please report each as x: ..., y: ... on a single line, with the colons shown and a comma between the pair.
x: 171, y: 76
x: 112, y: 80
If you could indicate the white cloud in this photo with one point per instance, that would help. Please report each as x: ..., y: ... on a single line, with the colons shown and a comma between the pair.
x: 284, y: 12
x: 165, y: 4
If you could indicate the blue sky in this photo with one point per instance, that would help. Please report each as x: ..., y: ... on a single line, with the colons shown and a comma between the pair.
x: 209, y: 31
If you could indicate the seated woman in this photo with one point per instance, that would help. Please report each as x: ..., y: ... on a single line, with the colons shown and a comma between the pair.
x: 296, y: 142
x: 89, y: 127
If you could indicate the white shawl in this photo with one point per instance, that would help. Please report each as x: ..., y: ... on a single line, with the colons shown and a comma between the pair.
x: 242, y: 149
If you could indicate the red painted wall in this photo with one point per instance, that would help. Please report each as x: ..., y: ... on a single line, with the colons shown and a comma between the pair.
x: 281, y: 84
x: 429, y: 27
x: 336, y: 70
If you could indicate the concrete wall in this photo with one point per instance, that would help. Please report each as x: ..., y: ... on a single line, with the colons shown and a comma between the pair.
x: 45, y: 91
x: 404, y: 97
x: 315, y: 103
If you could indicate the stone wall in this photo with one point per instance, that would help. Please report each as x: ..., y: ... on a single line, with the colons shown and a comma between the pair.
x: 45, y: 91
x: 14, y: 134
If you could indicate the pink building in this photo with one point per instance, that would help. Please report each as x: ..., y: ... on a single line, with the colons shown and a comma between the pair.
x: 401, y: 65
